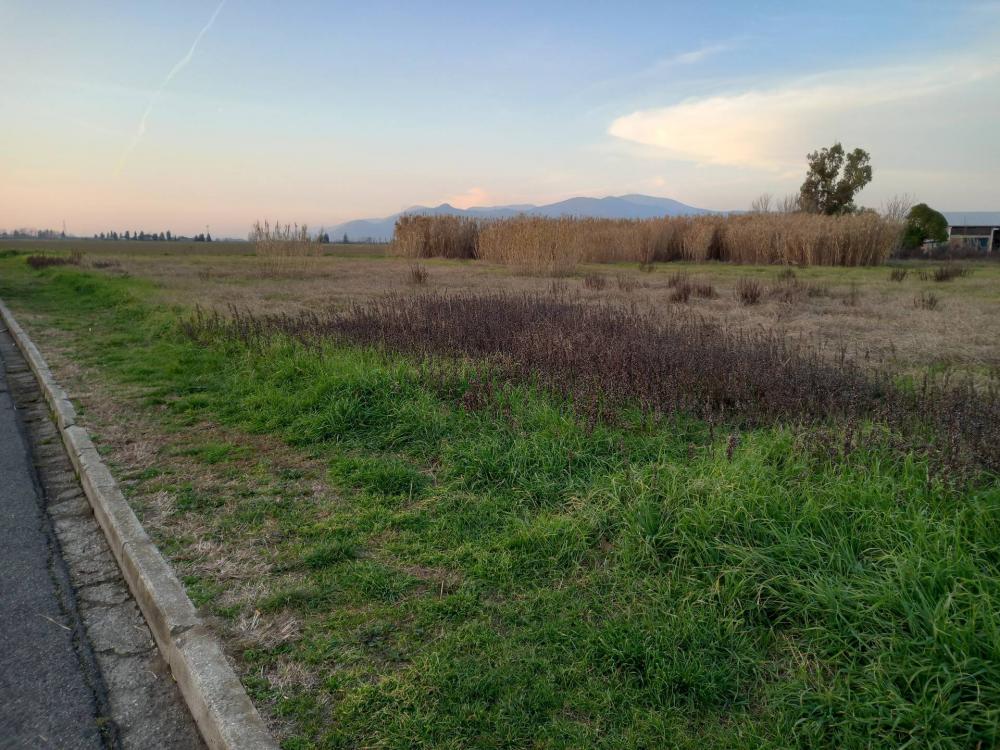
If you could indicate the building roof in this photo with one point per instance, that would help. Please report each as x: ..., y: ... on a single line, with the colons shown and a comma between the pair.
x: 972, y: 218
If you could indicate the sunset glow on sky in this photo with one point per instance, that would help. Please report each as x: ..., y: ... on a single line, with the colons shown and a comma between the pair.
x: 119, y: 115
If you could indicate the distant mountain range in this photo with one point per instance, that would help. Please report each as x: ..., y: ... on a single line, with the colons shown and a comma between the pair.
x: 611, y: 207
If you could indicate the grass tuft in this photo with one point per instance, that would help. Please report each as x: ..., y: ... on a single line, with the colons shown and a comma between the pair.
x: 748, y: 291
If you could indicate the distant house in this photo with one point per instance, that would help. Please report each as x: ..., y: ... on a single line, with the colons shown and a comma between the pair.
x: 980, y: 229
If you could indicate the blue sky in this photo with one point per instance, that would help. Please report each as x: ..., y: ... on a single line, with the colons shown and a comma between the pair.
x: 319, y: 112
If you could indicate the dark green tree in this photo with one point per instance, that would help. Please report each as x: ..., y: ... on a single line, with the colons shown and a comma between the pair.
x: 923, y: 223
x: 833, y: 179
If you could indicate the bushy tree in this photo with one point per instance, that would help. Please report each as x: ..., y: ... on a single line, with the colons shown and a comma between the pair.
x: 923, y: 223
x: 833, y: 179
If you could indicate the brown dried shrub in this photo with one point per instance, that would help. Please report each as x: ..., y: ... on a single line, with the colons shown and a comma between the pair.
x: 605, y: 358
x: 677, y: 278
x: 46, y: 261
x: 704, y: 289
x: 626, y: 283
x: 418, y: 274
x: 681, y: 292
x: 748, y: 291
x: 927, y: 301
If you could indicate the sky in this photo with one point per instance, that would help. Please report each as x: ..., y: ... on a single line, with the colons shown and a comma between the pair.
x: 192, y: 113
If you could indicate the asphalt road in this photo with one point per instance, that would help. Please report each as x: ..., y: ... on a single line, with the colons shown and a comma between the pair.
x: 49, y: 687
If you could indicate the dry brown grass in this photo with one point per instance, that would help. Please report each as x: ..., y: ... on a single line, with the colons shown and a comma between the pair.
x: 418, y: 274
x: 748, y: 291
x: 556, y: 246
x: 883, y: 322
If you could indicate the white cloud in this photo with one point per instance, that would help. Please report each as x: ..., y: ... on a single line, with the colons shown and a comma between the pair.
x: 474, y: 196
x: 772, y: 128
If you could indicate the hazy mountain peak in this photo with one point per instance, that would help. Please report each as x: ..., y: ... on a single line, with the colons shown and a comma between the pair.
x: 631, y: 206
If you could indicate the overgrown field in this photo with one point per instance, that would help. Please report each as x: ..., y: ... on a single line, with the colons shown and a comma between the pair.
x: 908, y: 314
x: 405, y: 548
x: 557, y: 246
x: 172, y: 248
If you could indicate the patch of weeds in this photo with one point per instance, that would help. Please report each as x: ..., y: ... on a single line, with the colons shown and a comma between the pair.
x: 704, y: 289
x: 927, y: 301
x: 748, y: 291
x: 302, y: 598
x: 546, y: 545
x: 680, y: 292
x: 369, y: 580
x: 383, y: 475
x: 418, y: 274
x: 852, y: 296
x: 202, y: 591
x: 214, y: 453
x: 626, y: 283
x: 149, y: 473
x: 190, y: 498
x: 339, y: 548
x: 946, y: 273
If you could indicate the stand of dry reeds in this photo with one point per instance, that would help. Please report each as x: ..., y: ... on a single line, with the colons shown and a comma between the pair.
x: 284, y: 249
x: 557, y: 246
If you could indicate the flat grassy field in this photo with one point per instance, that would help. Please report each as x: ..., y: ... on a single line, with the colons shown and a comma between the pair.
x: 104, y: 248
x: 399, y: 553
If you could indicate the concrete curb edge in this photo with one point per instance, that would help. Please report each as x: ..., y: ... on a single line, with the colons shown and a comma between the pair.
x: 213, y: 693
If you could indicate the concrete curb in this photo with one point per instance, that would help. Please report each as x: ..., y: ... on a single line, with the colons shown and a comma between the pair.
x: 224, y: 714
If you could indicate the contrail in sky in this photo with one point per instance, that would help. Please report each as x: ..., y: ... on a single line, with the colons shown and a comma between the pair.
x: 141, y: 130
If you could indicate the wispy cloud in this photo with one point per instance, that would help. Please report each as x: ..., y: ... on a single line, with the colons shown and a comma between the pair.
x: 692, y: 56
x: 770, y: 128
x: 140, y: 130
x: 653, y: 75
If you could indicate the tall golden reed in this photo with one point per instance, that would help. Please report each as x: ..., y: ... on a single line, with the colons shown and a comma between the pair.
x: 284, y: 249
x: 556, y: 246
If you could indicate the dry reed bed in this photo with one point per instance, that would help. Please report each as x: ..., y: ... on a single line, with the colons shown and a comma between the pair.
x: 556, y: 246
x: 606, y: 358
x: 284, y: 249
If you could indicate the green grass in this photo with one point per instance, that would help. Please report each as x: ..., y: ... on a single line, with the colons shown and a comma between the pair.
x: 509, y: 578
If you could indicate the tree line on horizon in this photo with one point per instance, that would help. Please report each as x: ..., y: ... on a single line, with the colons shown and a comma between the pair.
x: 140, y: 236
x: 143, y: 236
